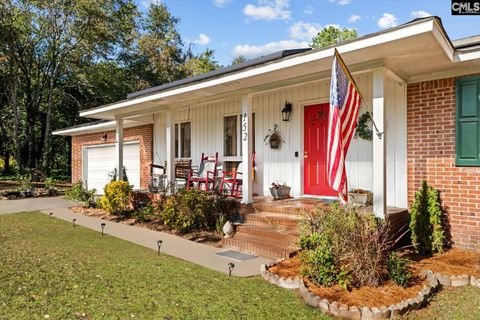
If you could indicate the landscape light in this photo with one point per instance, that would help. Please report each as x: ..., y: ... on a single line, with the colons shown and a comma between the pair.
x: 103, y: 226
x: 230, y: 268
x: 73, y: 222
x: 159, y: 244
x: 51, y: 214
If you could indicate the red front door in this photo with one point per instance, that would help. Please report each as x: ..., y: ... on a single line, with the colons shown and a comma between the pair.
x: 315, y: 151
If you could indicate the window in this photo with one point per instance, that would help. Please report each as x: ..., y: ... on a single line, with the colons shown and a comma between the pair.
x: 468, y: 122
x: 183, y: 140
x: 232, y: 142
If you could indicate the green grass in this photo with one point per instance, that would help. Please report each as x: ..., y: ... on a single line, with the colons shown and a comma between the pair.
x: 47, y: 267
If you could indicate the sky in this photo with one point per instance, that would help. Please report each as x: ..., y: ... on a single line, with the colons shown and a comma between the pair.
x: 254, y: 28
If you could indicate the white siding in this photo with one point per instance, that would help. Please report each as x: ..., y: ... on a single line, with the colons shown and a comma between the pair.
x: 282, y: 165
x: 396, y: 143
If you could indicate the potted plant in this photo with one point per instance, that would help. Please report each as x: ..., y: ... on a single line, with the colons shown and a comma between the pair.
x: 359, y: 197
x: 280, y: 191
x: 50, y: 189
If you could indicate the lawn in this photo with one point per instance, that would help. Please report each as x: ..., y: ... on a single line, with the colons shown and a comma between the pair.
x: 48, y: 269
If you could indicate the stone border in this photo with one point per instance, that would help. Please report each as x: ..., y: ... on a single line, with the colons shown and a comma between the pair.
x: 356, y: 312
x: 456, y: 280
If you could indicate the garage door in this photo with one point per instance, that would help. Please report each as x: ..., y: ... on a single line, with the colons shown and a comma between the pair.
x: 100, y: 161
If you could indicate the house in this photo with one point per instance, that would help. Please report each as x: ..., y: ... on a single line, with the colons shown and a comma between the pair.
x: 423, y: 88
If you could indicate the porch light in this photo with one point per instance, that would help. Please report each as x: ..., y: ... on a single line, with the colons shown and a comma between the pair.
x: 159, y: 244
x: 287, y: 109
x: 103, y: 227
x: 230, y: 268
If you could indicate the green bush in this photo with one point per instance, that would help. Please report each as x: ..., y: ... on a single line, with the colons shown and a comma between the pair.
x: 146, y: 213
x: 345, y: 247
x: 116, y: 199
x: 426, y: 221
x: 398, y: 270
x: 78, y: 193
x: 195, y: 210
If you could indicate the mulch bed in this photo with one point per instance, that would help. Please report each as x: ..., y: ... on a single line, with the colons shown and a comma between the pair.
x: 452, y: 262
x: 387, y: 294
x: 205, y: 237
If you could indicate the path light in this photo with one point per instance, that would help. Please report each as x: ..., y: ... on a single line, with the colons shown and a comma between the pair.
x: 230, y: 268
x: 73, y: 222
x: 159, y: 244
x: 51, y: 214
x: 103, y: 226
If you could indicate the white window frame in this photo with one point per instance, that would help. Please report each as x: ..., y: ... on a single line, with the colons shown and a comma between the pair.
x: 238, y: 157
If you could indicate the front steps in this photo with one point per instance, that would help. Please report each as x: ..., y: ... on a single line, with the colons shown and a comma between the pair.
x: 272, y: 229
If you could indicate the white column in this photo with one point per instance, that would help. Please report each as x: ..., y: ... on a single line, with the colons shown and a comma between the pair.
x: 170, y: 145
x: 379, y: 145
x: 247, y: 149
x: 119, y: 147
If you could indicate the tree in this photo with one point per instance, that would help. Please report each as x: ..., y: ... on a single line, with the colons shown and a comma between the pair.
x: 332, y: 35
x: 202, y: 63
x: 239, y: 59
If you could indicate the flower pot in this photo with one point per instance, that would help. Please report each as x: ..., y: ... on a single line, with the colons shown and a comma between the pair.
x: 358, y: 198
x: 280, y: 193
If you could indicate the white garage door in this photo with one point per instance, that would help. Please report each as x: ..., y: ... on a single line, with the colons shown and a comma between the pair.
x: 99, y: 161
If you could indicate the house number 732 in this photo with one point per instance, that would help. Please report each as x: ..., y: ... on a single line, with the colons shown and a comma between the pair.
x: 244, y: 127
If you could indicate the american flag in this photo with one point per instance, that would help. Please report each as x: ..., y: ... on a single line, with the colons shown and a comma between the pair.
x: 342, y: 120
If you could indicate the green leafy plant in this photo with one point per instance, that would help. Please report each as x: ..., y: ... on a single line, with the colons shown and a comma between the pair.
x: 49, y: 183
x: 220, y: 223
x: 426, y: 221
x: 146, y: 213
x: 398, y: 270
x: 116, y: 199
x: 78, y: 193
x: 341, y: 246
x: 195, y: 210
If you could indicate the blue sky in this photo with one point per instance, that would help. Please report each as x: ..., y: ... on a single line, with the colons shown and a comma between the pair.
x: 257, y: 27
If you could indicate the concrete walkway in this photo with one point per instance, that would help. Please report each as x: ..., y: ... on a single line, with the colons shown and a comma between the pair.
x: 33, y: 204
x: 172, y: 245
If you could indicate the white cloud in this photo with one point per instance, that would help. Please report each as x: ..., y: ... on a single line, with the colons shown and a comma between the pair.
x: 221, y: 3
x: 252, y: 51
x: 202, y: 40
x: 268, y: 10
x: 420, y: 14
x: 304, y: 30
x: 147, y: 3
x: 354, y: 18
x: 309, y: 10
x: 341, y: 2
x: 388, y: 20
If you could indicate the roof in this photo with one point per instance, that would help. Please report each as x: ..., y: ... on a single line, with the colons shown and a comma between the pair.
x: 219, y: 72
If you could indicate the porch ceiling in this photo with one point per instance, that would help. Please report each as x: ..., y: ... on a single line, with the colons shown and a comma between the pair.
x: 411, y: 51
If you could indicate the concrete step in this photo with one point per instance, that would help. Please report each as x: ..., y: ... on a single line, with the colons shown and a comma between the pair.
x: 284, y: 221
x: 260, y: 246
x: 269, y: 232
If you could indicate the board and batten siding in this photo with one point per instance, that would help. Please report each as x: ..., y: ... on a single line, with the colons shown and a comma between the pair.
x: 275, y: 165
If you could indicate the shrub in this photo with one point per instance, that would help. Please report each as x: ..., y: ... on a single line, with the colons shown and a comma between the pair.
x: 195, y: 210
x: 78, y: 193
x: 345, y: 247
x: 145, y: 214
x: 398, y: 270
x: 426, y: 221
x: 116, y: 199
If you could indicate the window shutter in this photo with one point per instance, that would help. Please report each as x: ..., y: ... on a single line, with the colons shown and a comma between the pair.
x: 467, y: 126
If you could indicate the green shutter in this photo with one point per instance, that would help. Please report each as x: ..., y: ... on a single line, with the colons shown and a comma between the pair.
x: 468, y: 118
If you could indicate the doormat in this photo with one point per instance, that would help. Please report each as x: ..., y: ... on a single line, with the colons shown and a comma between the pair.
x: 236, y: 255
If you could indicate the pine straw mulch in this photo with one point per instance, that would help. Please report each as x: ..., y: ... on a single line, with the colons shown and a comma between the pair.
x: 206, y: 237
x: 452, y: 262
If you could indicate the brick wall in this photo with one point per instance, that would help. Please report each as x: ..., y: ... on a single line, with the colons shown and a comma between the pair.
x: 143, y: 134
x: 431, y: 157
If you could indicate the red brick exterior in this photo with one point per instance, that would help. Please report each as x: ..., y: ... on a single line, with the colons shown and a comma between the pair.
x: 143, y: 134
x: 431, y: 157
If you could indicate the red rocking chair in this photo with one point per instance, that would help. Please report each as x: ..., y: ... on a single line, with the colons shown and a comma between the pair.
x: 232, y: 181
x: 205, y: 176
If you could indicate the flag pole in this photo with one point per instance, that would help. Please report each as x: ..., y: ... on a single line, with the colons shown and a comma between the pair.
x: 369, y: 108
